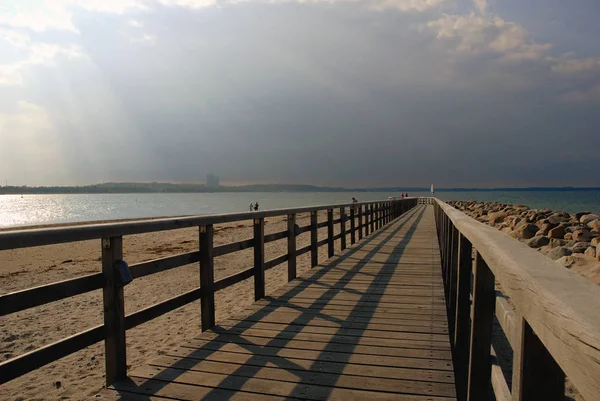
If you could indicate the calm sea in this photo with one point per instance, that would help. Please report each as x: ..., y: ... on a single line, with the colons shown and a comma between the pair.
x: 50, y: 209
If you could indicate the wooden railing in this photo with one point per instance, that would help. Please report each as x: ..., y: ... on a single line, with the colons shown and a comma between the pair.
x: 552, y: 321
x: 364, y: 218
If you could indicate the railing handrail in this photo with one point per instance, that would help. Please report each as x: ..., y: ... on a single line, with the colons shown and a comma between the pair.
x: 561, y: 306
x: 376, y: 215
x: 32, y: 237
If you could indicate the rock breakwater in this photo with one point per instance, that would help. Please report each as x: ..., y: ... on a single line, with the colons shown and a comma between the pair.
x: 572, y: 239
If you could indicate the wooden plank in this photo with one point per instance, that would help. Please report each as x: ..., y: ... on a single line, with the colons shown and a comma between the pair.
x: 463, y: 316
x: 291, y: 375
x: 144, y: 389
x: 330, y: 250
x: 501, y: 390
x: 291, y: 246
x: 239, y: 326
x: 334, y: 338
x: 159, y: 265
x: 276, y: 236
x: 353, y: 225
x: 536, y: 375
x: 343, y: 228
x: 314, y: 250
x: 276, y: 261
x: 18, y: 366
x: 273, y: 387
x: 259, y: 259
x: 43, y: 294
x: 355, y: 369
x: 207, y: 277
x: 233, y: 247
x: 506, y: 319
x: 484, y: 300
x: 114, y: 312
x: 152, y: 312
x: 250, y: 350
x: 360, y: 222
x: 234, y: 279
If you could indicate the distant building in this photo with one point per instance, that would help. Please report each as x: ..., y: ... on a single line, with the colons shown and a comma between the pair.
x: 212, y: 181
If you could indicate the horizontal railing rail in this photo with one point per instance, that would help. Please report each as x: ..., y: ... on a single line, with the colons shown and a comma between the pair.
x: 364, y: 218
x: 551, y: 318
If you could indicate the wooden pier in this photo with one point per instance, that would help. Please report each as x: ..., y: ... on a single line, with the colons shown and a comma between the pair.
x: 369, y: 324
x: 406, y: 311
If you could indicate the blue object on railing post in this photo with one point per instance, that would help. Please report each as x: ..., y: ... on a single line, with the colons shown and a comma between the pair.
x: 123, y: 273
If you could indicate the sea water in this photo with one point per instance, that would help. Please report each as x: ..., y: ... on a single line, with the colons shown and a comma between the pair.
x: 51, y: 209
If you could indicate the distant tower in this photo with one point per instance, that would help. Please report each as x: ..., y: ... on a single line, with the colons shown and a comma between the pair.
x: 212, y: 181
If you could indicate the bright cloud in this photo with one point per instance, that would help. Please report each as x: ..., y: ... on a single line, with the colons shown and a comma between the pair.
x: 577, y: 66
x: 36, y: 53
x: 42, y: 15
x: 478, y: 34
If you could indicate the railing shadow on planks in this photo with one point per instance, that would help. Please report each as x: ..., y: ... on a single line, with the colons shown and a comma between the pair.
x: 554, y: 329
x: 365, y: 217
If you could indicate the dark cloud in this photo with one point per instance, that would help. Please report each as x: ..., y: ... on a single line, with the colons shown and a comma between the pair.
x: 331, y: 94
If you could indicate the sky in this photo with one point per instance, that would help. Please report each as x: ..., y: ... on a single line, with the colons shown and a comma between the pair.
x: 353, y: 93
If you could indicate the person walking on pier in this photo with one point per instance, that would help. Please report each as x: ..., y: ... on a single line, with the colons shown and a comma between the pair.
x: 251, y: 206
x: 256, y: 206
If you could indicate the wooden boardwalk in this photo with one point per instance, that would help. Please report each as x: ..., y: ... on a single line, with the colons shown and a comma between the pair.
x: 368, y: 324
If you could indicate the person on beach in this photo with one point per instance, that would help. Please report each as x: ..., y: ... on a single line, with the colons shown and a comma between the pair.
x: 256, y: 206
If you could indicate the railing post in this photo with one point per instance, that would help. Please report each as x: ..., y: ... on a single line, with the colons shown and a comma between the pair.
x: 452, y: 276
x: 462, y: 316
x: 367, y: 213
x: 360, y: 222
x: 372, y: 228
x: 484, y: 302
x: 536, y: 375
x: 329, y: 233
x: 352, y: 225
x: 343, y: 228
x: 207, y: 277
x: 314, y: 251
x: 115, y: 354
x: 291, y: 225
x: 259, y: 258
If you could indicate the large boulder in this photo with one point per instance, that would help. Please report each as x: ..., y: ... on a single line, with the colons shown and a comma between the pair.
x: 590, y: 252
x: 538, y: 241
x: 559, y: 252
x: 525, y: 231
x: 580, y: 247
x: 594, y: 225
x: 557, y: 232
x: 557, y: 219
x: 545, y: 229
x: 497, y: 217
x: 595, y: 241
x: 515, y: 221
x: 556, y: 242
x: 582, y: 236
x: 579, y: 214
x: 588, y: 218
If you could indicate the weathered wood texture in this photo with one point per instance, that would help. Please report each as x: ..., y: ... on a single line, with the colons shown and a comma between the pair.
x: 556, y: 328
x: 369, y: 324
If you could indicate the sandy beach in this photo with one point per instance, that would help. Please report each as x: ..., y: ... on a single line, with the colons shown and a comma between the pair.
x: 79, y: 376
